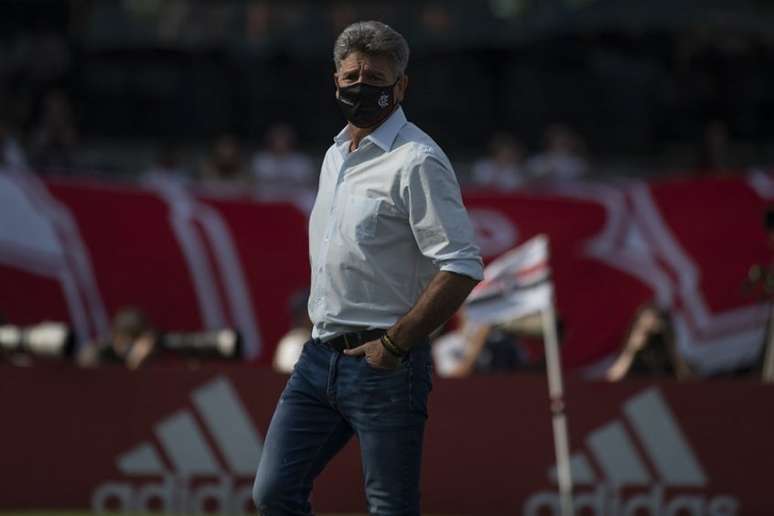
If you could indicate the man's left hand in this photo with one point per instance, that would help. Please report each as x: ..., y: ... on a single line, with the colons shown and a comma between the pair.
x: 375, y: 354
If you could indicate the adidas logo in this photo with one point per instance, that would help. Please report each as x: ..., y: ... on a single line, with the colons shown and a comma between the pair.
x: 197, y: 480
x: 629, y: 485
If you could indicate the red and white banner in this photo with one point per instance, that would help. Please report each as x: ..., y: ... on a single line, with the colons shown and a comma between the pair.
x: 78, y: 252
x: 188, y: 441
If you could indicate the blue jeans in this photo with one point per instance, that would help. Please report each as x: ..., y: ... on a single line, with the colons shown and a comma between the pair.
x: 329, y: 398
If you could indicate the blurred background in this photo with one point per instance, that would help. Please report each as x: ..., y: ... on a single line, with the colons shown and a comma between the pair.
x: 158, y: 161
x: 647, y: 86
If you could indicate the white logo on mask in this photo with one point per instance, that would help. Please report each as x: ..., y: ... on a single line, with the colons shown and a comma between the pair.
x: 384, y: 101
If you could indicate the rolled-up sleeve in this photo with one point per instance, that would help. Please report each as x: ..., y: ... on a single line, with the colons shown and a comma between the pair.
x: 440, y: 224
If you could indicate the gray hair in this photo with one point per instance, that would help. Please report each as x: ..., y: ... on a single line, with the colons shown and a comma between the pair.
x: 372, y: 38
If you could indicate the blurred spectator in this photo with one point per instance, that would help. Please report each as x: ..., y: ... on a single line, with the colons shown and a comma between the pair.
x: 487, y: 348
x: 279, y: 166
x: 505, y: 167
x: 436, y: 20
x: 12, y: 156
x: 224, y: 167
x: 55, y: 138
x: 715, y: 150
x: 167, y: 167
x: 649, y: 349
x: 563, y: 158
x: 131, y: 342
x: 290, y: 346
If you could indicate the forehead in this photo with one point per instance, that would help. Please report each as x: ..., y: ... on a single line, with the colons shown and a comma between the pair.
x: 376, y: 63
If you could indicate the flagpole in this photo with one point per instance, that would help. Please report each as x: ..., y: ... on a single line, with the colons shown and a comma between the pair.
x: 767, y: 375
x: 506, y: 302
x: 559, y: 420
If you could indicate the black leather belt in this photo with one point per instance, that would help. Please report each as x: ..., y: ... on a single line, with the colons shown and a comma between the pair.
x: 353, y: 340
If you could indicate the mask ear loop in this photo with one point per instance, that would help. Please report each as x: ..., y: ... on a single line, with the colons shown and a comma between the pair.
x: 392, y: 88
x: 396, y: 81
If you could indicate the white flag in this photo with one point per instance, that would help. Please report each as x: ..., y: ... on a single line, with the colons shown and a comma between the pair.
x: 516, y: 284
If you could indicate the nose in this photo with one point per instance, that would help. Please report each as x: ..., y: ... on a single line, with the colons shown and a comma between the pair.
x: 361, y: 74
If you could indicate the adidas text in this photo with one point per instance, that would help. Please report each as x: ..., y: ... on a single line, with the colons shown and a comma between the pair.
x: 604, y: 501
x: 173, y: 494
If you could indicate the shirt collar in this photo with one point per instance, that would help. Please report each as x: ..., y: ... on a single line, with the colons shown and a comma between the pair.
x: 384, y: 135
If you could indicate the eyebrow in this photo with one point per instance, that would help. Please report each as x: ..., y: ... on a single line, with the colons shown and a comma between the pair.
x: 368, y: 73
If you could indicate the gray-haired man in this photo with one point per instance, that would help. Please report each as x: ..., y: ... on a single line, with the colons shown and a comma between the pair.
x: 392, y: 256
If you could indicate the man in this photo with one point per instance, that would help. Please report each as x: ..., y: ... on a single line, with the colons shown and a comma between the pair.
x: 392, y: 258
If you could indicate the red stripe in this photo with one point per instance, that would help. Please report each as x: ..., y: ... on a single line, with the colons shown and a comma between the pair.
x: 538, y: 267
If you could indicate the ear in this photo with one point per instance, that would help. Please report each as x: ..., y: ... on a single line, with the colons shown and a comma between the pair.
x: 402, y: 85
x: 336, y: 82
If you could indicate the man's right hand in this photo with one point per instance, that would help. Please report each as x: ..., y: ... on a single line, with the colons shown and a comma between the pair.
x: 375, y: 354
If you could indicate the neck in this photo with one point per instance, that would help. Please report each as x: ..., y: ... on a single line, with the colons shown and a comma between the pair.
x: 358, y: 133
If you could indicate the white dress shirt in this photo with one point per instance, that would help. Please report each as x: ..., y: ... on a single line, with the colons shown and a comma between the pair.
x: 388, y: 216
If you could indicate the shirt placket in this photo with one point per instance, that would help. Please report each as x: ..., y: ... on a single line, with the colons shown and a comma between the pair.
x: 330, y: 227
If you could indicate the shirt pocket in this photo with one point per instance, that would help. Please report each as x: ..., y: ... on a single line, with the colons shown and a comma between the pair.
x: 361, y: 215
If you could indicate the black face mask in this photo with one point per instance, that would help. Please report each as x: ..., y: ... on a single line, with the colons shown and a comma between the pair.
x: 365, y: 105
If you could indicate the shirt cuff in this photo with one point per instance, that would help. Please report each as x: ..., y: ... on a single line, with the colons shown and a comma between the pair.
x: 470, y: 267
